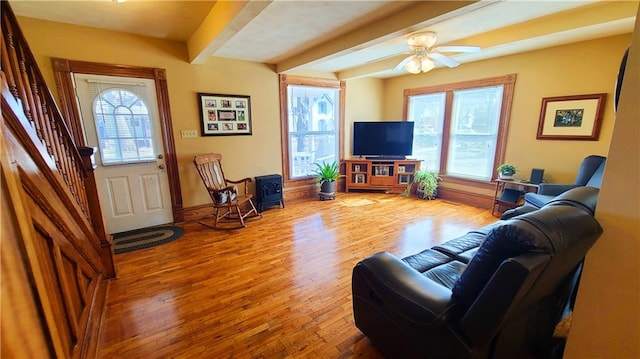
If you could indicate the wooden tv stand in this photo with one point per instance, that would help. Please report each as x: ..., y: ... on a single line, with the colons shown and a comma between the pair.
x: 391, y: 176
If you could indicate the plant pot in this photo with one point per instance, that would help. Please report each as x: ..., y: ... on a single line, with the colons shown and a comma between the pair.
x: 422, y: 194
x: 328, y: 187
x: 505, y: 177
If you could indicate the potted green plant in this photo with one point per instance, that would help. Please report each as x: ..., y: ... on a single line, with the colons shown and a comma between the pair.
x: 426, y: 183
x: 506, y: 171
x: 327, y: 174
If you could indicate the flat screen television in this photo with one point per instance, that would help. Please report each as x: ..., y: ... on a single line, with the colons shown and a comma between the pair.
x: 387, y: 139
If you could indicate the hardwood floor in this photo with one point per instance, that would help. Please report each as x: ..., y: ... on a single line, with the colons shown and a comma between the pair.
x: 280, y: 288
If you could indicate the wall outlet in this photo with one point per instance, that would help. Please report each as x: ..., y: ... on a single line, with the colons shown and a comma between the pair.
x: 189, y: 133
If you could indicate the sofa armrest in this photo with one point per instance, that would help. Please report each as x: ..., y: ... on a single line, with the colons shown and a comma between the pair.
x: 514, y: 212
x: 554, y: 189
x: 402, y: 289
x: 511, y: 281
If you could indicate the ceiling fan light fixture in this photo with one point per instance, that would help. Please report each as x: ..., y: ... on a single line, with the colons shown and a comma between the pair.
x: 423, y: 54
x: 424, y: 39
x: 414, y: 66
x: 427, y: 64
x: 419, y: 64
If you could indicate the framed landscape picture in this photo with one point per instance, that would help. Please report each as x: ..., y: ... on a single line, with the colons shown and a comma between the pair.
x: 571, y: 117
x: 225, y: 115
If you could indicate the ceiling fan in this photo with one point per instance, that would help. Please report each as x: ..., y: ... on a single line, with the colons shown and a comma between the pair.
x: 423, y: 54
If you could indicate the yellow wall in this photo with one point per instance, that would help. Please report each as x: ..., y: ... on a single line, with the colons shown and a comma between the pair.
x: 606, y: 323
x: 582, y: 68
x: 575, y: 69
x: 363, y: 104
x: 243, y: 156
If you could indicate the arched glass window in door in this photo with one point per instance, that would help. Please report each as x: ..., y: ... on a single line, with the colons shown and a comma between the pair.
x: 123, y: 126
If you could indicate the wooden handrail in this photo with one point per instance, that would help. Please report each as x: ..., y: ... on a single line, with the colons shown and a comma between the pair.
x: 26, y: 83
x: 22, y: 77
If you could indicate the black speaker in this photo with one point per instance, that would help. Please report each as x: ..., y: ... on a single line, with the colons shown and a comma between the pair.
x: 536, y: 175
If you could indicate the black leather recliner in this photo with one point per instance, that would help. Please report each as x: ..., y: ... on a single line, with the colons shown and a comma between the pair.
x: 497, y: 292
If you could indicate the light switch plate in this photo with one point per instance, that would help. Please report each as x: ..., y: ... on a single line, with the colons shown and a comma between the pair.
x: 189, y: 133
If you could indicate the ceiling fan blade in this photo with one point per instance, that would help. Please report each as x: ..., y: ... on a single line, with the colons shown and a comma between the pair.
x: 468, y: 49
x: 388, y: 57
x: 400, y: 66
x: 443, y: 59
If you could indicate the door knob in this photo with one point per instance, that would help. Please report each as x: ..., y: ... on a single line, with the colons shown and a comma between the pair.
x: 161, y: 167
x: 160, y: 156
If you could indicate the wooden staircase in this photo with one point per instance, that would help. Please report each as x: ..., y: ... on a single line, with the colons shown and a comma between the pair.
x: 56, y: 257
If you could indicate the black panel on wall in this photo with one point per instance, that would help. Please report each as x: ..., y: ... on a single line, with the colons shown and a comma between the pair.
x: 623, y: 66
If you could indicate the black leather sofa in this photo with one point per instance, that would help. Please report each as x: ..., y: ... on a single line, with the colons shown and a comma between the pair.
x: 497, y: 292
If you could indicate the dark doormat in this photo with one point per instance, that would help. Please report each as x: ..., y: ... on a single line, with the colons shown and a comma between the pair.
x: 145, y: 238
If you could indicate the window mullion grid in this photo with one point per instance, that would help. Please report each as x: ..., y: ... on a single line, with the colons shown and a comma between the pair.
x: 446, y: 131
x: 503, y: 125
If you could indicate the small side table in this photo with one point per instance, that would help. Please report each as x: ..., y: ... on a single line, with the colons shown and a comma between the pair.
x: 501, y: 185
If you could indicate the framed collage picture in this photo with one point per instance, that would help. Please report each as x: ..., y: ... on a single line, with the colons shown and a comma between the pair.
x: 225, y: 115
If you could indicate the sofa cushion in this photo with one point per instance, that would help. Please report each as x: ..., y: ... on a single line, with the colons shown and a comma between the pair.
x: 464, y: 247
x: 466, y: 256
x: 447, y: 274
x: 537, y: 200
x: 426, y: 260
x: 454, y: 247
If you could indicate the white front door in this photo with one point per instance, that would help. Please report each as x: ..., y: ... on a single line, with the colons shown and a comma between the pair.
x: 120, y: 117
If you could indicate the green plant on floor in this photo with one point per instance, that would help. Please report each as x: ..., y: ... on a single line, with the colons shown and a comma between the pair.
x: 327, y: 172
x: 426, y: 183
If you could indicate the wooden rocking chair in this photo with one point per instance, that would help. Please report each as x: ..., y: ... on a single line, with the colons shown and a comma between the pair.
x: 227, y: 202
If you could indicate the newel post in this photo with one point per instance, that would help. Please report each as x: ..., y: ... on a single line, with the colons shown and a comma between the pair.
x: 95, y: 213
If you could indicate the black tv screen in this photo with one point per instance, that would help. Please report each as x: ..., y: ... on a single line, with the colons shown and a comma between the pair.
x: 388, y: 139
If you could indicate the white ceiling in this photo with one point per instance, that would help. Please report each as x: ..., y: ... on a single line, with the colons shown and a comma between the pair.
x: 350, y: 38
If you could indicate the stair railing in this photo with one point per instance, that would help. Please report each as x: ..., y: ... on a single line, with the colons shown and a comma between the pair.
x: 27, y: 85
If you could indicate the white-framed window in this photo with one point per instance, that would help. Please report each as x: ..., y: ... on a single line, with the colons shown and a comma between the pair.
x: 427, y: 113
x: 123, y: 127
x: 460, y: 129
x: 312, y: 121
